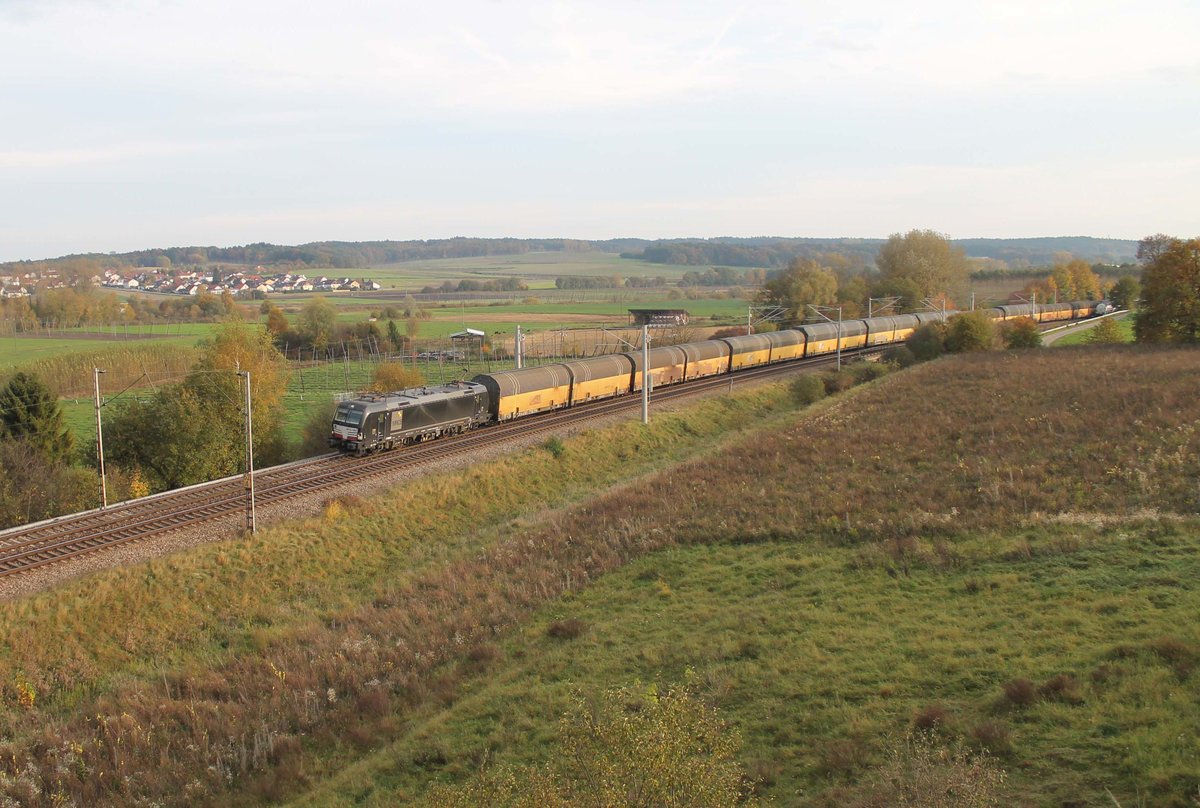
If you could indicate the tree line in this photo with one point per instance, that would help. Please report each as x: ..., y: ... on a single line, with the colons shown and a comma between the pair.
x: 83, y: 305
x: 917, y: 270
x: 470, y: 285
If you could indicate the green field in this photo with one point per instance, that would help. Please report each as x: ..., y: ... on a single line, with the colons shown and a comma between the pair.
x: 538, y: 270
x: 1124, y: 323
x: 18, y: 351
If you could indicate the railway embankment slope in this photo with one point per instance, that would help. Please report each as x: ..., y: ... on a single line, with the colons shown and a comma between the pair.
x: 999, y: 549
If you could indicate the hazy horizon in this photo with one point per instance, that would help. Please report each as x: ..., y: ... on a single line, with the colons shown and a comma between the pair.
x: 145, y: 124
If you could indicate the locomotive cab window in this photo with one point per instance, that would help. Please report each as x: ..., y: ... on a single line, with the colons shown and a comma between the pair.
x: 348, y: 416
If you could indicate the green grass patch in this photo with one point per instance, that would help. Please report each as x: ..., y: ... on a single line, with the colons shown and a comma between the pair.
x: 822, y: 662
x: 1124, y: 325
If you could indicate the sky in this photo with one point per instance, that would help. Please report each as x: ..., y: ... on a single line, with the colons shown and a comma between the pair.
x: 132, y: 124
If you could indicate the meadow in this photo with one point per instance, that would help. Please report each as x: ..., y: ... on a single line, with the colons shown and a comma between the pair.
x: 538, y: 269
x: 948, y: 547
x: 1124, y: 324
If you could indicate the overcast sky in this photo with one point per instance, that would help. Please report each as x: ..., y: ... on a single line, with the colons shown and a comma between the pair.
x: 128, y: 124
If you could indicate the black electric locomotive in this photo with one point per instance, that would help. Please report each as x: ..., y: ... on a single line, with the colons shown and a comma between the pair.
x: 383, y: 420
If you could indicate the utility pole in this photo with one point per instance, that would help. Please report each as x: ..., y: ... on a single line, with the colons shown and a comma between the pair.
x: 100, y: 440
x: 519, y: 348
x: 839, y: 333
x: 249, y: 478
x: 646, y: 373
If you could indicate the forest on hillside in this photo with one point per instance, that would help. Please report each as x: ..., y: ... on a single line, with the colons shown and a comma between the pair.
x: 726, y: 251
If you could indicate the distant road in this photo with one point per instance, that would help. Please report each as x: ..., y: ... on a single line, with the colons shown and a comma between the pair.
x: 1074, y: 328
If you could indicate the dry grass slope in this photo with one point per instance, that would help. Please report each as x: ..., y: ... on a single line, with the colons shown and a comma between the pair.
x: 899, y: 471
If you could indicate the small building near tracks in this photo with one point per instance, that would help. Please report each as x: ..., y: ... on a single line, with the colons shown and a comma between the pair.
x: 658, y: 317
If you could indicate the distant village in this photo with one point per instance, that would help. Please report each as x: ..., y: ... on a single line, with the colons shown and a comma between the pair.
x: 190, y: 282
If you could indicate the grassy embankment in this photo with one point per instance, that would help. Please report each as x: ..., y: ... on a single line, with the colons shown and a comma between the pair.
x: 207, y: 619
x: 953, y: 546
x: 1015, y: 567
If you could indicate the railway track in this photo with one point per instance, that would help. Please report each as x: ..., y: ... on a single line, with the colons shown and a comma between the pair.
x: 35, y: 546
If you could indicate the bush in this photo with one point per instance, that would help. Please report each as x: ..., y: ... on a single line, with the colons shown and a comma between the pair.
x: 1020, y: 692
x: 555, y: 446
x: 1021, y: 333
x: 931, y: 717
x: 567, y: 629
x: 808, y: 389
x: 864, y: 372
x: 314, y: 434
x: 900, y: 356
x: 1105, y: 332
x: 837, y: 381
x: 390, y: 376
x: 993, y: 737
x: 627, y: 747
x: 928, y: 341
x: 970, y: 331
x: 920, y: 772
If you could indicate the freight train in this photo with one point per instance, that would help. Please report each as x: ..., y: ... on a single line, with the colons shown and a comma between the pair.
x: 373, y: 422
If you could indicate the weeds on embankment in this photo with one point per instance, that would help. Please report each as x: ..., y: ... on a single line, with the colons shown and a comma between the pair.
x: 200, y: 678
x: 178, y: 654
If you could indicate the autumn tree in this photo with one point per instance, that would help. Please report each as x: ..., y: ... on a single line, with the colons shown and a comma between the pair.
x: 1151, y: 247
x: 804, y: 282
x: 34, y: 487
x: 317, y: 323
x: 392, y: 376
x: 277, y: 321
x: 1125, y: 292
x: 1170, y: 304
x: 906, y: 289
x: 1105, y: 332
x: 1021, y: 333
x: 1073, y: 280
x: 970, y: 331
x: 627, y: 748
x: 928, y: 341
x: 926, y: 258
x: 29, y: 413
x: 191, y: 432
